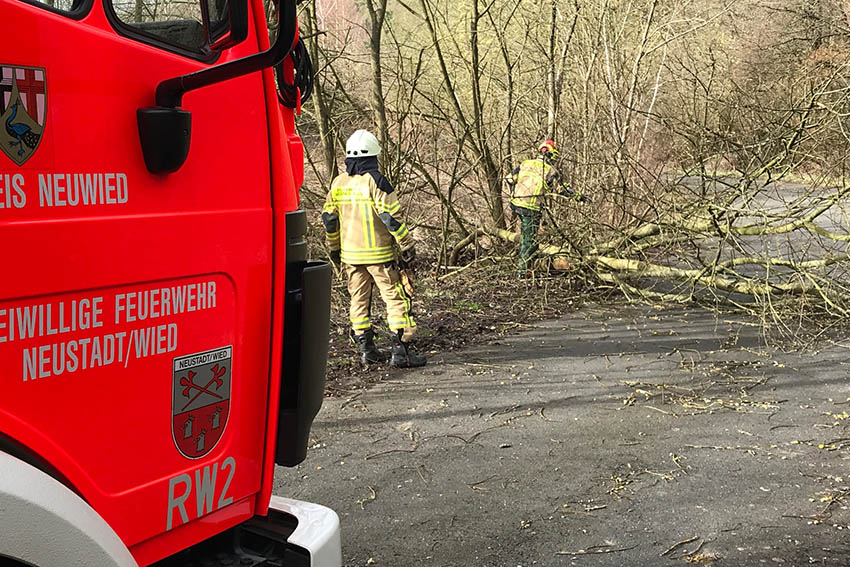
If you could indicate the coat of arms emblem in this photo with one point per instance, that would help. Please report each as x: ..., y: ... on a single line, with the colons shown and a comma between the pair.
x: 23, y: 107
x: 200, y: 400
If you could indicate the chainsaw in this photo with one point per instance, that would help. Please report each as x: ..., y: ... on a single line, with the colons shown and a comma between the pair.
x: 405, y: 274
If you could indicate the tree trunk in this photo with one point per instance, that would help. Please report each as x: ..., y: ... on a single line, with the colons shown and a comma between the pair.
x: 491, y: 169
x: 551, y: 86
x: 500, y: 30
x: 319, y: 98
x: 377, y: 13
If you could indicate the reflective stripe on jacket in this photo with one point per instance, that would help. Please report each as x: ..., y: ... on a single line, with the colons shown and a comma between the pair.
x: 361, y: 220
x: 532, y: 178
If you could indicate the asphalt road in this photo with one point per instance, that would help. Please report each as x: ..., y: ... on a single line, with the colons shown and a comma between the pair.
x: 625, y: 437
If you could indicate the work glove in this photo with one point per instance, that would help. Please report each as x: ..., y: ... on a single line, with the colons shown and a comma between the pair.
x: 568, y: 191
x: 408, y: 258
x: 509, y: 179
x: 335, y: 257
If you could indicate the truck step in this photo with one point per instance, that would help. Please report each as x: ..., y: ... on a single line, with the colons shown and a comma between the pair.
x: 256, y: 543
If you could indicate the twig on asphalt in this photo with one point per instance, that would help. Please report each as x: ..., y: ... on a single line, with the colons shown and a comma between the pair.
x: 585, y: 508
x: 696, y: 557
x: 543, y: 416
x: 675, y: 546
x: 465, y: 440
x: 750, y: 450
x: 350, y: 400
x: 665, y: 476
x: 372, y: 496
x: 382, y: 453
x: 798, y: 517
x: 594, y: 551
x: 500, y: 367
x: 503, y: 411
x: 675, y: 459
x: 475, y: 485
x: 662, y: 411
x: 418, y: 469
x: 589, y: 509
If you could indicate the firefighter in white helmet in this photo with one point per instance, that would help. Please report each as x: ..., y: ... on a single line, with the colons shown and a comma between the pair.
x: 362, y: 219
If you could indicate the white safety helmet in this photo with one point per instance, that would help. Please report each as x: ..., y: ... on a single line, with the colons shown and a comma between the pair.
x: 362, y: 144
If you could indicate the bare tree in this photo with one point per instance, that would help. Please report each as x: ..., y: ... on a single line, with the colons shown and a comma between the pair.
x: 320, y: 99
x: 709, y: 137
x: 377, y: 15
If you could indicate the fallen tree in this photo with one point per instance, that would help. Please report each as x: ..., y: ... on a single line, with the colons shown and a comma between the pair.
x: 794, y: 249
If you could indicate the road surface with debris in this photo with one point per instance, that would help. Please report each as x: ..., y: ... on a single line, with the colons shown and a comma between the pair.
x: 609, y: 437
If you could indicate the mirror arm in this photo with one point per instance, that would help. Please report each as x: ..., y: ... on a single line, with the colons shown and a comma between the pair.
x: 169, y: 93
x: 165, y: 131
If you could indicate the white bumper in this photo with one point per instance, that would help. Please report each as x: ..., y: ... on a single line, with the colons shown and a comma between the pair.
x: 317, y: 531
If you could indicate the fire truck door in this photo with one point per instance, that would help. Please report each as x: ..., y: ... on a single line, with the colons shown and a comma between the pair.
x: 134, y: 308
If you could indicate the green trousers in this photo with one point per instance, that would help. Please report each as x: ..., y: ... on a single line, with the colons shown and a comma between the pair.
x: 529, y: 225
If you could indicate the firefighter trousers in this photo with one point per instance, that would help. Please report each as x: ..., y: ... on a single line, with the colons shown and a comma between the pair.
x: 529, y: 225
x: 386, y: 278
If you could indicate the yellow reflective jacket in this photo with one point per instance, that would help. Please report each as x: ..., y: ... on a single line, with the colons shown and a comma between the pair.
x: 362, y: 217
x: 533, y: 176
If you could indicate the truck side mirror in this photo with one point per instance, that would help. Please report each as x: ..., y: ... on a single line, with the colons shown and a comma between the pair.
x: 225, y: 22
x: 165, y: 130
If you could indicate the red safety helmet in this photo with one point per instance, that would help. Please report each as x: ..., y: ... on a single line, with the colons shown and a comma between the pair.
x: 548, y: 148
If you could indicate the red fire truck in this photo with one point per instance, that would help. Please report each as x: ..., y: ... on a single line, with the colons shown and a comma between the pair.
x: 163, y: 338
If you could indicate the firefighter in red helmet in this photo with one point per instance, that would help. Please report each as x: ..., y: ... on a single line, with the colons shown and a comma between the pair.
x: 529, y: 182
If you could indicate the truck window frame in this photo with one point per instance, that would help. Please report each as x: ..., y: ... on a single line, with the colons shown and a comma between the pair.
x: 204, y: 54
x: 78, y: 13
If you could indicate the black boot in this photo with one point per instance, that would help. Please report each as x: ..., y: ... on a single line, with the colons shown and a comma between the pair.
x: 402, y: 356
x: 369, y: 353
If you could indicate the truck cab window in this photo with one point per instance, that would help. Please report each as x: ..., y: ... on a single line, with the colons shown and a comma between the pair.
x: 176, y: 23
